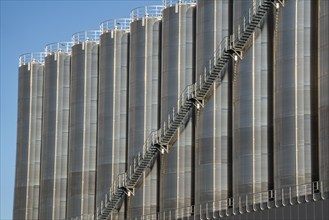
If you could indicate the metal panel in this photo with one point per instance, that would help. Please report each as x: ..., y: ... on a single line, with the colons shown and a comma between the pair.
x: 250, y: 110
x: 143, y: 105
x: 55, y: 132
x: 26, y: 204
x: 292, y: 102
x: 178, y: 69
x: 83, y: 128
x: 212, y: 125
x: 323, y: 67
x: 23, y: 121
x: 112, y: 110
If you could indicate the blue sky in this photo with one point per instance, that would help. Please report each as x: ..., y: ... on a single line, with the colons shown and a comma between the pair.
x: 27, y: 26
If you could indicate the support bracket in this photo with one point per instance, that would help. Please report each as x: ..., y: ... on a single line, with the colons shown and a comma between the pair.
x: 277, y: 3
x: 162, y: 148
x: 198, y: 103
x: 129, y: 192
x: 236, y: 54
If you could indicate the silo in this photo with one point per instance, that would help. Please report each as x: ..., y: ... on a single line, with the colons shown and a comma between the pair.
x: 213, y: 122
x: 252, y: 102
x: 112, y: 104
x: 292, y: 91
x: 178, y: 69
x: 55, y: 131
x: 144, y: 72
x: 29, y: 124
x: 83, y: 125
x: 323, y: 70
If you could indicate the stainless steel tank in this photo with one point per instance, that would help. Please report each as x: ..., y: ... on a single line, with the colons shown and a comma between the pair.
x: 212, y: 124
x: 144, y: 72
x: 83, y: 125
x: 29, y: 124
x: 55, y: 131
x: 178, y: 71
x: 251, y: 104
x: 112, y: 107
x: 323, y: 68
x: 292, y: 92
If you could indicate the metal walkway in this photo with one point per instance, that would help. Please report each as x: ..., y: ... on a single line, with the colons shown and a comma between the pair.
x: 193, y: 95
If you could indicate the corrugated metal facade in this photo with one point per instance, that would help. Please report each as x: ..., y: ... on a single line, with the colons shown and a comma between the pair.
x: 112, y: 108
x: 257, y: 139
x: 83, y: 130
x: 55, y: 135
x: 178, y: 69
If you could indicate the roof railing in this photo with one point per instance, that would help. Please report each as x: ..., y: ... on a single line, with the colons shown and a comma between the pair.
x: 62, y: 47
x: 86, y: 36
x: 36, y: 57
x: 169, y: 3
x: 154, y: 11
x: 115, y: 24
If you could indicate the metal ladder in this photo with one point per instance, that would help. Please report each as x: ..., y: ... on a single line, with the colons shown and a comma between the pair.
x: 193, y: 95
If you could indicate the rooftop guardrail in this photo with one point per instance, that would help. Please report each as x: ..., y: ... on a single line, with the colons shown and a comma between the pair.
x: 36, y: 57
x: 64, y: 47
x: 147, y: 11
x: 86, y: 36
x: 168, y: 3
x: 115, y: 24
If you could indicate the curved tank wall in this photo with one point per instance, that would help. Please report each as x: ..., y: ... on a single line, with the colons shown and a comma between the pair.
x: 323, y: 68
x: 27, y: 185
x: 292, y: 91
x: 251, y: 104
x: 178, y: 69
x: 23, y: 121
x: 83, y: 128
x: 112, y: 109
x: 145, y: 43
x: 213, y: 123
x: 53, y: 180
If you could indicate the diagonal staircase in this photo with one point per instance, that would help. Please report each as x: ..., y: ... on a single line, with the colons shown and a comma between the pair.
x: 193, y: 95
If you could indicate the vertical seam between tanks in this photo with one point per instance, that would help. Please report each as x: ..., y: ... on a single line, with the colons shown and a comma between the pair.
x: 179, y: 91
x: 145, y: 103
x: 214, y: 112
x: 29, y: 145
x: 214, y: 143
x: 296, y: 92
x: 84, y: 126
x: 253, y: 115
x: 56, y: 141
x: 114, y: 105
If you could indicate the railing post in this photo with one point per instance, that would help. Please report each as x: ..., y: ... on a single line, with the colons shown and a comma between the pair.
x: 188, y: 92
x: 205, y: 74
x: 244, y: 24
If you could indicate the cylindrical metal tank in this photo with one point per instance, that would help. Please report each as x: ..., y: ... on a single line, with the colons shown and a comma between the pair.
x: 213, y: 121
x: 83, y: 125
x: 292, y: 92
x: 29, y: 124
x: 144, y: 72
x: 323, y: 68
x: 178, y: 69
x: 112, y: 107
x: 55, y: 131
x: 251, y: 103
